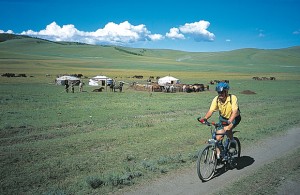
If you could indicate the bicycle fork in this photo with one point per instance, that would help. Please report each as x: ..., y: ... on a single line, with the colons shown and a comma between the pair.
x: 211, y: 155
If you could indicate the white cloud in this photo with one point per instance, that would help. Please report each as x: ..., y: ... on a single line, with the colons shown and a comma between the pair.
x: 156, y: 37
x: 8, y: 32
x: 56, y: 33
x: 174, y: 34
x: 198, y: 30
x: 121, y: 34
x: 228, y: 40
x: 112, y: 33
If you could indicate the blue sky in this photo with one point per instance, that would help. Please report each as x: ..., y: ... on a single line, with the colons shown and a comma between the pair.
x: 189, y: 25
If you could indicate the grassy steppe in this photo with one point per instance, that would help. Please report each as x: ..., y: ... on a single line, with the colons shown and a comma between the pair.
x: 94, y: 143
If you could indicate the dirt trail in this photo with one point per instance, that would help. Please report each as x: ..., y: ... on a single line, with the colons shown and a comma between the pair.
x: 187, y: 182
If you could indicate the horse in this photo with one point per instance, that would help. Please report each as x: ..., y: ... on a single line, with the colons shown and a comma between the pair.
x: 119, y: 87
x: 98, y: 90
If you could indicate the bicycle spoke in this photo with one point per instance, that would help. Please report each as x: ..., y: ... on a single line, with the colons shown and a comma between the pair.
x: 206, y: 163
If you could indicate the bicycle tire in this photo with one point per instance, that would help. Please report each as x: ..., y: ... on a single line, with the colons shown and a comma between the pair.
x: 237, y: 154
x: 238, y: 143
x: 206, y: 163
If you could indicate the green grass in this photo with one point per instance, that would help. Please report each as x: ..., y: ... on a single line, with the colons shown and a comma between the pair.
x: 53, y: 142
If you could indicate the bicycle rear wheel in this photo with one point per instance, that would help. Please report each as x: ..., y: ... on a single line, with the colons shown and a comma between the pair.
x: 235, y: 156
x: 206, y: 163
x: 238, y: 148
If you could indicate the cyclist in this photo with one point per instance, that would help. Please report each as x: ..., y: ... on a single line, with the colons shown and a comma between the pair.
x: 229, y: 112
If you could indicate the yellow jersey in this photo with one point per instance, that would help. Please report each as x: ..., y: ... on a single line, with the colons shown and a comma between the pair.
x: 226, y: 108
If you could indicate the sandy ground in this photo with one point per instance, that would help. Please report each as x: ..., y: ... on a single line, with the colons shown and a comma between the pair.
x: 187, y: 181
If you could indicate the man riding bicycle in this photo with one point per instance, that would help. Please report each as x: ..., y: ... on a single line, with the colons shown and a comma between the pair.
x: 229, y: 112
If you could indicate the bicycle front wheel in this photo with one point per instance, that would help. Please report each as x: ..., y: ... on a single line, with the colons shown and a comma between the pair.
x: 206, y: 163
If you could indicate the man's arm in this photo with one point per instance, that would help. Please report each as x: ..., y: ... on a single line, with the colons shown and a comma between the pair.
x: 208, y: 114
x: 234, y: 114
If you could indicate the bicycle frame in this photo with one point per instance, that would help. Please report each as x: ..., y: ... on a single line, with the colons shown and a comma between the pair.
x: 228, y: 157
x: 222, y: 144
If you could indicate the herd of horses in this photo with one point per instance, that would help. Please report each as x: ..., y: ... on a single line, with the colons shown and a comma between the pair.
x: 154, y: 87
x: 169, y: 88
x: 113, y: 87
x: 264, y: 78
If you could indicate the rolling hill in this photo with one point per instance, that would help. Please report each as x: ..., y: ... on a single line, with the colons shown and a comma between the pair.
x: 23, y: 52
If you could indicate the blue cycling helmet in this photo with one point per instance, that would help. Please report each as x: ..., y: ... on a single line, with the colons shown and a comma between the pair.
x: 222, y: 86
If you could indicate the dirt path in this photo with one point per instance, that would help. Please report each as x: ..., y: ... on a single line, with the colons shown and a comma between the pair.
x: 187, y: 182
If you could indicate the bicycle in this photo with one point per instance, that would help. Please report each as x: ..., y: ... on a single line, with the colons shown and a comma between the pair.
x: 207, y: 158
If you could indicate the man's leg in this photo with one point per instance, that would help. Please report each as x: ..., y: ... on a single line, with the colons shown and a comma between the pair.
x: 219, y: 138
x: 232, y: 140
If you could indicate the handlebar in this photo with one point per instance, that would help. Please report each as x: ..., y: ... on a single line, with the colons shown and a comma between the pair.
x: 216, y: 125
x: 205, y: 122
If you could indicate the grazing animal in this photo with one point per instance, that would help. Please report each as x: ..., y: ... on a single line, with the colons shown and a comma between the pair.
x: 156, y: 87
x: 169, y: 88
x: 198, y: 87
x: 138, y: 76
x: 119, y: 87
x: 98, y: 90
